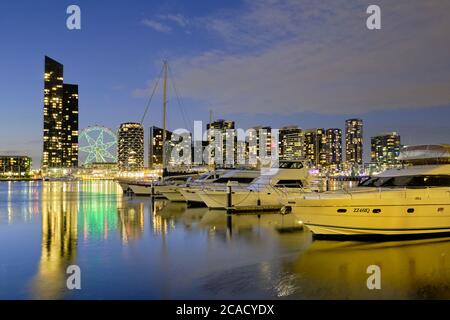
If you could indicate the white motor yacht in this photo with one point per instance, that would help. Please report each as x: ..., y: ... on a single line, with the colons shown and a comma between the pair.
x: 266, y: 192
x: 158, y: 187
x: 240, y: 178
x: 410, y: 201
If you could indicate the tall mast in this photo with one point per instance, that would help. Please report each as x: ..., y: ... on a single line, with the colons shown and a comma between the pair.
x: 164, y: 116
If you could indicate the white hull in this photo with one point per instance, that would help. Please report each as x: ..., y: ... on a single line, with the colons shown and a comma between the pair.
x: 387, y: 213
x: 142, y: 190
x: 173, y: 194
x: 243, y: 200
x: 191, y: 195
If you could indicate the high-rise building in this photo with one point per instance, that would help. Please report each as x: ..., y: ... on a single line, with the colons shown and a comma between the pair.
x: 60, y: 149
x: 333, y: 147
x: 180, y: 148
x: 354, y: 141
x: 155, y: 146
x: 14, y: 166
x: 260, y: 145
x: 131, y: 147
x: 290, y: 143
x: 314, y: 146
x: 222, y: 137
x: 70, y: 126
x: 385, y: 148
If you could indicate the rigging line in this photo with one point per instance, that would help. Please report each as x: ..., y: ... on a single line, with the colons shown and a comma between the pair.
x: 151, y: 96
x: 186, y: 121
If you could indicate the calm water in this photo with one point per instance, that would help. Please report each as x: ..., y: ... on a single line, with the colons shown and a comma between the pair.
x: 133, y: 249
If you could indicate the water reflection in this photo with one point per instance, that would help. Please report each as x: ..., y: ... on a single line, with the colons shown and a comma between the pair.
x: 131, y: 221
x: 59, y: 241
x: 143, y: 249
x: 409, y: 269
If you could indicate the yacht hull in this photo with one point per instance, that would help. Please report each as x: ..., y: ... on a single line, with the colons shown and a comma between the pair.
x: 173, y: 194
x: 393, y: 213
x: 191, y: 195
x: 242, y: 200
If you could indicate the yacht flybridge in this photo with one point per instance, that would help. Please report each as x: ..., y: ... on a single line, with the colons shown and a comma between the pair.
x: 411, y: 201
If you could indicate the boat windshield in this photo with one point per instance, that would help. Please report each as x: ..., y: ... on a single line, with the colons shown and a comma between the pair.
x: 408, y: 181
x: 289, y: 184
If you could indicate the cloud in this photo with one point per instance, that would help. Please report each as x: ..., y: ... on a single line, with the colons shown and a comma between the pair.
x: 178, y: 19
x: 304, y: 56
x: 157, y: 26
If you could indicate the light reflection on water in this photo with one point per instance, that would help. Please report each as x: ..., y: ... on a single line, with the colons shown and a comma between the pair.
x: 136, y: 249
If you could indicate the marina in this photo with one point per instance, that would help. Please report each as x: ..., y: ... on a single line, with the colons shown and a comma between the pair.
x: 163, y: 250
x: 225, y: 156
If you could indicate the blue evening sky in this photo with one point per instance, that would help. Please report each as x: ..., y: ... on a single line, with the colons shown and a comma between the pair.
x: 262, y: 62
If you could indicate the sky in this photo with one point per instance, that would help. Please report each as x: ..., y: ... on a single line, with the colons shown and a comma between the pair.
x: 258, y: 62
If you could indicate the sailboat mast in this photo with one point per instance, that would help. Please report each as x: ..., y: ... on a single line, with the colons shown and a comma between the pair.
x: 164, y: 116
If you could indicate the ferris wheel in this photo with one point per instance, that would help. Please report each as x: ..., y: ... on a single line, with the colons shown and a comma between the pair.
x: 97, y: 144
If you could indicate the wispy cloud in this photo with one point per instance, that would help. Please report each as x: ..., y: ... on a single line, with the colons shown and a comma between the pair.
x: 179, y: 19
x: 165, y: 23
x: 157, y: 26
x: 303, y: 55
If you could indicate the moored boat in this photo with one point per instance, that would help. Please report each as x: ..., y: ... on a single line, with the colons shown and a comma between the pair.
x: 265, y: 193
x: 410, y: 201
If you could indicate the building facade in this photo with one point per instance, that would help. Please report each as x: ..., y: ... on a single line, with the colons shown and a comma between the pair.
x: 314, y: 146
x: 385, y: 149
x: 130, y: 147
x: 334, y: 147
x: 290, y: 143
x: 60, y: 130
x: 70, y: 126
x: 155, y: 146
x: 15, y: 166
x: 260, y: 145
x: 354, y: 141
x: 222, y: 138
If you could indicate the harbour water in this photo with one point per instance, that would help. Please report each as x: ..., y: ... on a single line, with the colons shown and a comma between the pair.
x: 133, y: 248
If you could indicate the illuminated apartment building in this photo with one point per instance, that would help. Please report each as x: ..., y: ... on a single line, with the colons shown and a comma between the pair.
x: 290, y: 143
x: 60, y: 147
x: 385, y: 149
x: 130, y: 147
x: 354, y: 141
x: 314, y: 146
x: 333, y: 147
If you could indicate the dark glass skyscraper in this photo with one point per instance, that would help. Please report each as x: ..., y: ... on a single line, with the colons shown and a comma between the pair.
x: 60, y: 148
x: 290, y: 143
x: 354, y: 141
x: 131, y: 147
x: 155, y: 146
x: 334, y: 146
x: 70, y: 125
x: 385, y: 149
x: 314, y: 146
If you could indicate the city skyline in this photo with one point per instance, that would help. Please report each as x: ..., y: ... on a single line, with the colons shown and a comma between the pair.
x: 115, y: 73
